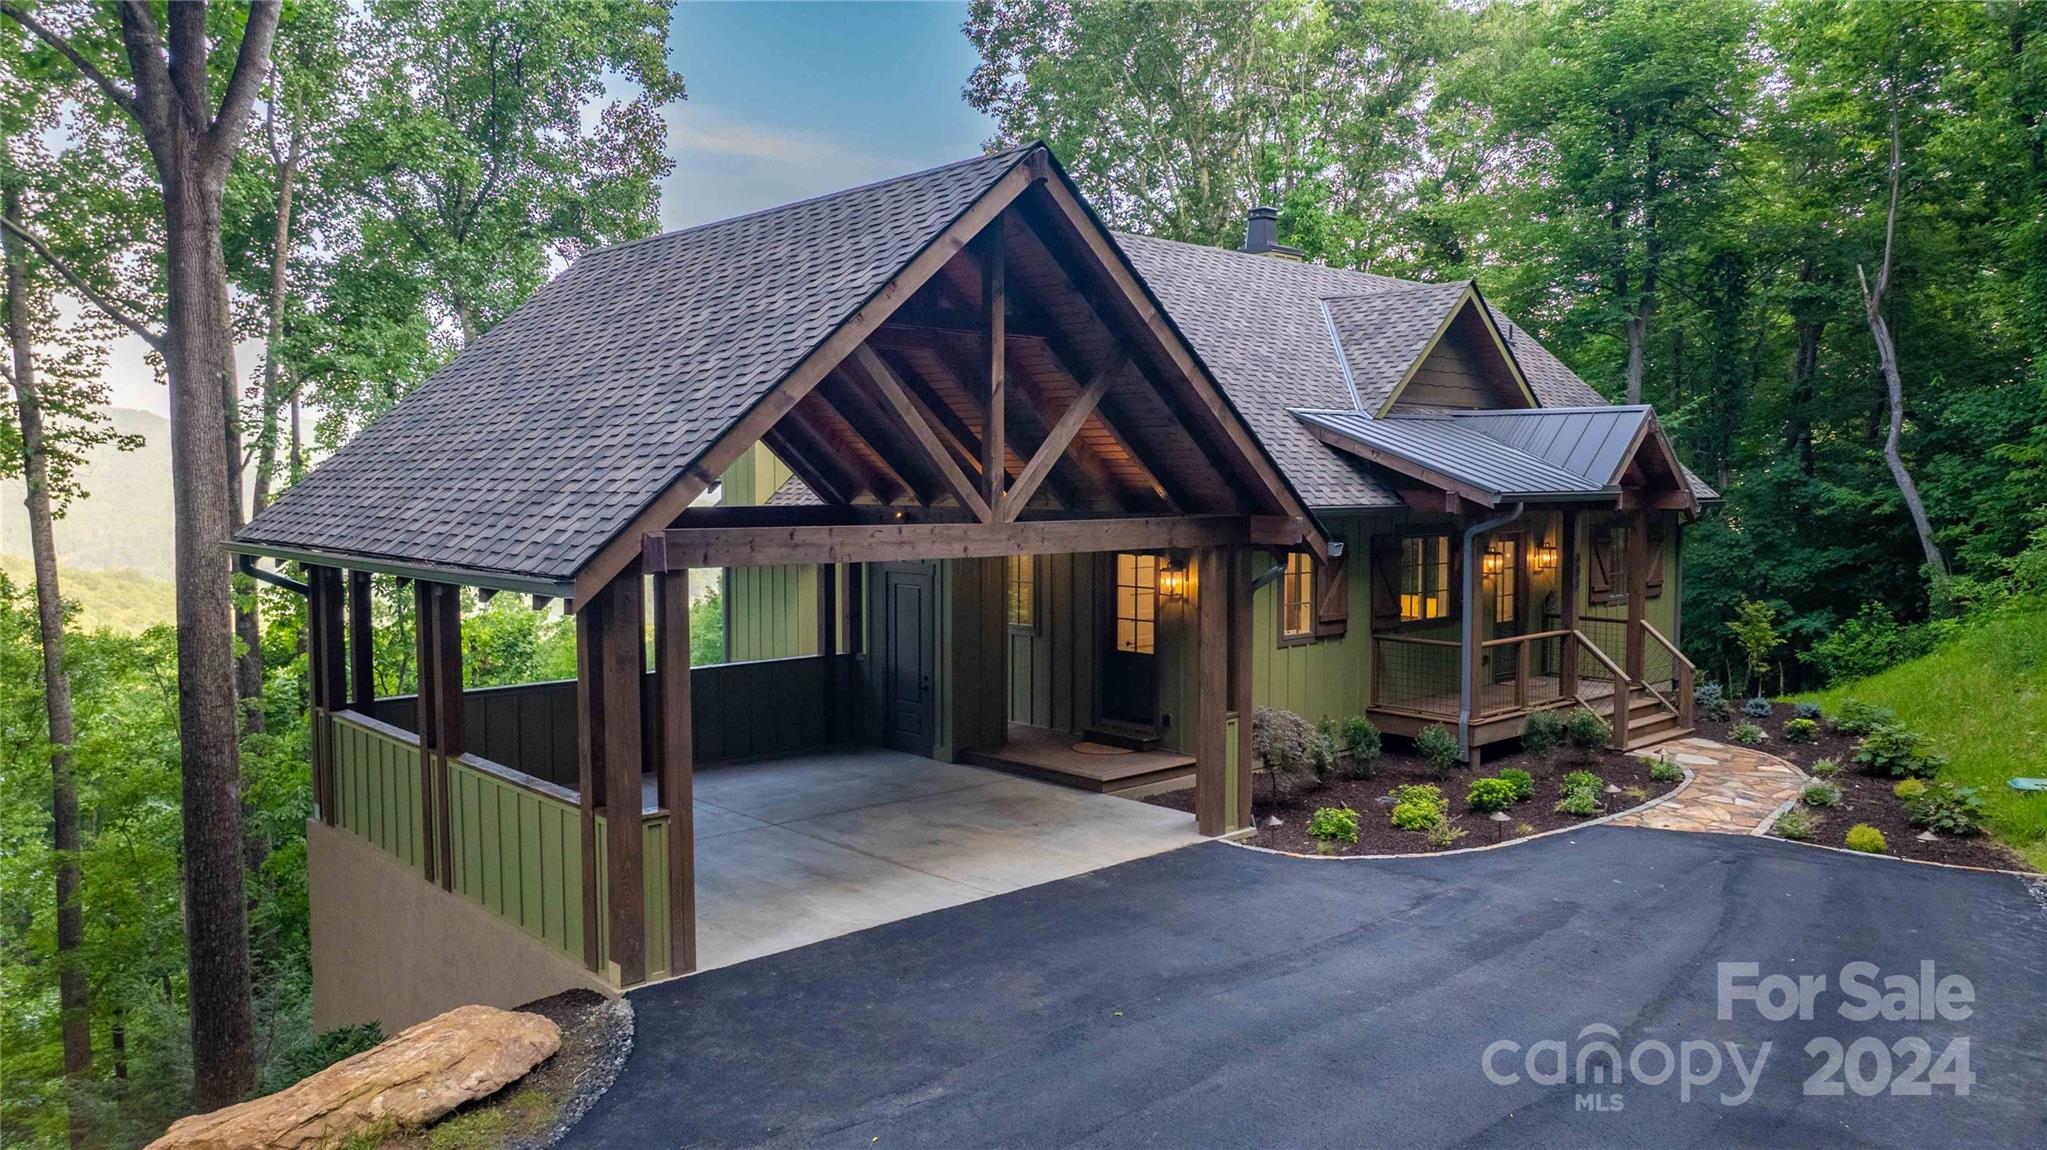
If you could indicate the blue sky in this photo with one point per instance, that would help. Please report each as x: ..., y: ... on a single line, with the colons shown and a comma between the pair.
x: 788, y: 100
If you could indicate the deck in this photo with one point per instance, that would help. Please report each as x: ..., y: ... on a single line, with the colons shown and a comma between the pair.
x: 1039, y: 753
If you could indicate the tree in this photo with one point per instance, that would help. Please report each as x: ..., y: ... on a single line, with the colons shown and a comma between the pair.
x: 1887, y: 359
x: 162, y: 80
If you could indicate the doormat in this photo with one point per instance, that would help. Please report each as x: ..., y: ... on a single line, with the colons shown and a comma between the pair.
x: 1087, y: 747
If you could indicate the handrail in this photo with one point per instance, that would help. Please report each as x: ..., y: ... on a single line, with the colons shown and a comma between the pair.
x: 1528, y: 638
x: 1417, y: 640
x: 1649, y: 629
x: 1686, y: 671
x: 1606, y: 661
x: 1622, y: 688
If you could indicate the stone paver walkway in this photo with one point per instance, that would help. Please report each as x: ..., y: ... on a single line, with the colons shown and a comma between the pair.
x: 1734, y: 791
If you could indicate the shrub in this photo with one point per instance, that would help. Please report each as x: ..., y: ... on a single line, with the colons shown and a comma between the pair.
x: 1584, y: 781
x: 1859, y: 718
x: 1864, y: 644
x: 1581, y: 803
x: 1437, y: 747
x: 1820, y: 795
x: 1801, y: 730
x: 1322, y: 752
x: 1489, y: 795
x: 1418, y: 806
x: 1587, y: 732
x: 1665, y: 771
x: 1286, y: 743
x: 1755, y: 629
x: 1947, y: 809
x: 1523, y: 829
x: 1747, y: 734
x: 1711, y: 699
x: 1524, y: 783
x: 1443, y: 835
x: 1333, y: 825
x: 1807, y: 711
x: 1756, y: 708
x: 1897, y: 750
x: 1542, y: 735
x: 1796, y: 825
x: 1824, y: 769
x: 1635, y: 793
x: 1865, y: 838
x: 1361, y: 742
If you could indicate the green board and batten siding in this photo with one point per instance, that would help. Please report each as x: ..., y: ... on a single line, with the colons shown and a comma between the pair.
x: 770, y: 612
x: 518, y: 850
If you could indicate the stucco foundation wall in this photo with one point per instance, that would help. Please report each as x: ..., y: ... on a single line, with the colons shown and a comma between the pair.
x: 393, y: 949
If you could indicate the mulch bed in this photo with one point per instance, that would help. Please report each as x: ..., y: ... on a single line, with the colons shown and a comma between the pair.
x: 534, y: 1112
x: 1864, y: 798
x: 1397, y: 766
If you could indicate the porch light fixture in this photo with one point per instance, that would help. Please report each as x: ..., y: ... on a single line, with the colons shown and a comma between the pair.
x: 1173, y: 580
x: 1544, y: 557
x: 1494, y: 561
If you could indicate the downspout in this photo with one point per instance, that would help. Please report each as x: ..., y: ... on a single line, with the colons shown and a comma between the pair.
x: 1470, y: 647
x: 246, y: 564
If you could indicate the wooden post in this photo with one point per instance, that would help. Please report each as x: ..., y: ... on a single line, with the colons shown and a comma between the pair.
x: 423, y: 603
x: 316, y: 664
x: 677, y: 765
x: 1212, y: 787
x: 995, y: 293
x: 1638, y: 589
x: 361, y: 643
x: 448, y: 712
x: 623, y: 639
x: 1241, y: 700
x: 590, y: 727
x: 1522, y: 669
x: 1567, y: 596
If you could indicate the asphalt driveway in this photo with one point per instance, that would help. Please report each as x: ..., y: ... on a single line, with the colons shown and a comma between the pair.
x: 1214, y: 996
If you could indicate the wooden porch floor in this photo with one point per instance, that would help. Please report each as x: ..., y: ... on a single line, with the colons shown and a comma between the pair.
x: 1498, y: 699
x: 1045, y: 754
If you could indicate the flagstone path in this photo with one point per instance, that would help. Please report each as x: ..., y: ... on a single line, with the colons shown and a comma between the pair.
x: 1734, y: 791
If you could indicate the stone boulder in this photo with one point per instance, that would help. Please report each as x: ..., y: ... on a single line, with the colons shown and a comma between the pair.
x: 409, y: 1080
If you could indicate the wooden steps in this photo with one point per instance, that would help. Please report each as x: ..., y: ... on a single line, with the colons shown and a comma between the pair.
x: 1649, y: 721
x: 1049, y: 755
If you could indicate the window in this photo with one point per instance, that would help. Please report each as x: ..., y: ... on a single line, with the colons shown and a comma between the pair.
x: 1023, y: 592
x: 1137, y: 603
x: 1297, y: 599
x: 1424, y: 578
x: 1507, y: 584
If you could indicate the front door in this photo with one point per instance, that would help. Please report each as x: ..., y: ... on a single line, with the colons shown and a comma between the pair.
x: 910, y: 712
x: 1130, y: 663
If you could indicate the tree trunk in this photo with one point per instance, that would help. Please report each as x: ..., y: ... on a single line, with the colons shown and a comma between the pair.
x: 73, y: 1006
x: 1887, y: 358
x: 217, y: 934
x: 1638, y: 329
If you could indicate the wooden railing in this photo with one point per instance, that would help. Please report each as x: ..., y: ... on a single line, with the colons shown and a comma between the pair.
x: 1686, y: 674
x: 516, y: 841
x: 1522, y: 691
x: 1415, y: 674
x: 1604, y: 662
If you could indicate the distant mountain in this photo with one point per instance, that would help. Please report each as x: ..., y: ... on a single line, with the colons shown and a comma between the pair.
x: 125, y: 524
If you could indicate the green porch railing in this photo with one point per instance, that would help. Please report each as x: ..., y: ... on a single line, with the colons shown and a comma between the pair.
x: 517, y: 840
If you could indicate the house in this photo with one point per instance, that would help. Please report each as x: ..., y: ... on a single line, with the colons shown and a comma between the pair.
x: 998, y: 486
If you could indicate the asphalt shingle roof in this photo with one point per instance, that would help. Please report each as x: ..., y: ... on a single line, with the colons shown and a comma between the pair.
x: 544, y: 438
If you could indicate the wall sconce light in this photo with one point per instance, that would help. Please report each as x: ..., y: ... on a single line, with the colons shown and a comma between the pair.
x: 1172, y: 580
x: 1494, y: 561
x: 1544, y: 557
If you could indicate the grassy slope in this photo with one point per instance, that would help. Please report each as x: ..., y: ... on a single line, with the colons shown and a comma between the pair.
x: 1983, y: 699
x: 114, y: 600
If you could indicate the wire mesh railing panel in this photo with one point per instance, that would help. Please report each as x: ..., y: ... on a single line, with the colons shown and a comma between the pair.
x: 1415, y: 674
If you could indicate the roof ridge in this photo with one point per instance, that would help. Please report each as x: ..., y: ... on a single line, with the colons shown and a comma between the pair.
x: 1388, y: 285
x: 808, y: 200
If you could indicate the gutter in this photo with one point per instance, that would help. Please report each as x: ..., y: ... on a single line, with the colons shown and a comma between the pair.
x: 1470, y: 646
x: 246, y: 564
x: 423, y: 572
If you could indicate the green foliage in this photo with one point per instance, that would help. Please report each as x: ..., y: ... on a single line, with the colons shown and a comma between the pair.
x: 317, y: 1052
x: 1666, y: 771
x: 1864, y: 644
x: 1710, y: 700
x: 1580, y: 803
x: 1418, y: 806
x: 1437, y: 747
x: 1981, y: 697
x: 1587, y: 732
x: 1756, y: 708
x: 1747, y: 734
x: 1808, y: 711
x: 1334, y: 824
x: 1542, y: 734
x: 1908, y: 789
x: 1801, y: 730
x: 1489, y: 795
x: 1820, y: 795
x: 1897, y: 750
x: 120, y: 600
x: 1444, y: 835
x: 1524, y: 783
x: 1322, y: 752
x: 1361, y: 742
x: 1947, y: 809
x: 1824, y: 769
x: 1855, y: 717
x: 1286, y: 743
x: 1865, y: 838
x: 1755, y: 629
x: 1796, y: 824
x: 1584, y: 781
